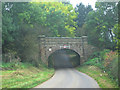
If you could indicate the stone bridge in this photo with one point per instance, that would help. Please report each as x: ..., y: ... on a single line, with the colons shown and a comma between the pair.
x: 49, y: 45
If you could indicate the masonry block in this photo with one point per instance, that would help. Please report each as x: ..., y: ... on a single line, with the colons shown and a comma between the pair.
x: 48, y: 45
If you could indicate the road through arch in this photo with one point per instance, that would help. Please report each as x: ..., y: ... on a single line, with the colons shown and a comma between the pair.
x: 64, y: 58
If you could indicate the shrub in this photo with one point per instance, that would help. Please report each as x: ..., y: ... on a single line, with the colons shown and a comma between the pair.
x: 106, y: 60
x: 111, y: 63
x: 95, y: 61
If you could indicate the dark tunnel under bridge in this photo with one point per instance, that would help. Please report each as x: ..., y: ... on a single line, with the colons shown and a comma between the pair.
x: 64, y: 58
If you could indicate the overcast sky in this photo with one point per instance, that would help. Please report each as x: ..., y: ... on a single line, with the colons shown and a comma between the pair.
x: 85, y: 2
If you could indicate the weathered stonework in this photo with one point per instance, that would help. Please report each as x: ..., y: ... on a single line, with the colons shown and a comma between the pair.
x: 48, y: 45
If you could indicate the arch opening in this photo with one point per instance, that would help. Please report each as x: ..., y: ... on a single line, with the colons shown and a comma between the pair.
x: 64, y: 58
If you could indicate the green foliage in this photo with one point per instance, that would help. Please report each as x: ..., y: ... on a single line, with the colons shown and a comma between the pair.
x: 102, y: 53
x: 107, y: 60
x: 116, y: 38
x: 99, y: 25
x: 94, y: 61
x: 26, y: 76
x: 82, y: 12
x: 14, y: 65
x: 102, y: 78
x: 111, y: 63
x: 54, y: 15
x: 23, y: 22
x: 8, y: 28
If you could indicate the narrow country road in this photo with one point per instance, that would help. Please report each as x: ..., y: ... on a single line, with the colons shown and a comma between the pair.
x: 69, y: 78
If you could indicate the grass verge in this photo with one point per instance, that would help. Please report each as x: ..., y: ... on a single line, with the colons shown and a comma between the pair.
x: 101, y: 77
x: 27, y: 77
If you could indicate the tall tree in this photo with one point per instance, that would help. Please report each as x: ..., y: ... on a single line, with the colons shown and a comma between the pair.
x: 23, y: 22
x: 82, y: 12
x: 8, y: 28
x: 116, y: 30
x: 100, y: 24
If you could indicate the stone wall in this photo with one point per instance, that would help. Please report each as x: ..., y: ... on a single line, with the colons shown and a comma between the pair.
x: 48, y: 45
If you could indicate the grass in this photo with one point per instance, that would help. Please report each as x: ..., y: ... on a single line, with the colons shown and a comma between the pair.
x: 25, y: 77
x: 96, y: 73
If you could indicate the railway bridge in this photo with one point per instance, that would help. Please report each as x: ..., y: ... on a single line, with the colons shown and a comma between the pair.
x: 49, y: 45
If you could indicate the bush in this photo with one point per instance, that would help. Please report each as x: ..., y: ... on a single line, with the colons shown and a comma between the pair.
x: 106, y: 60
x: 95, y: 61
x: 111, y: 63
x: 92, y: 61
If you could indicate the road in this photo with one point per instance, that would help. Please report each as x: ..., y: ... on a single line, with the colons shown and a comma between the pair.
x: 69, y: 78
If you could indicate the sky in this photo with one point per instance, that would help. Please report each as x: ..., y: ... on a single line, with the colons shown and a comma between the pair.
x: 85, y: 2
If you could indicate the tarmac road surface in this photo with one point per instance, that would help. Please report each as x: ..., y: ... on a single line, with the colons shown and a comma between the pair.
x: 69, y: 78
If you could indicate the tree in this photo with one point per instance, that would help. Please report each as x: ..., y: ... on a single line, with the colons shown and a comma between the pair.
x: 100, y: 24
x: 23, y: 22
x: 8, y: 28
x: 116, y: 30
x: 82, y: 12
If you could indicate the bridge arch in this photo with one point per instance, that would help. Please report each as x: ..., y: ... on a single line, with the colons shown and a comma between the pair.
x: 64, y: 58
x: 57, y: 49
x: 48, y: 45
